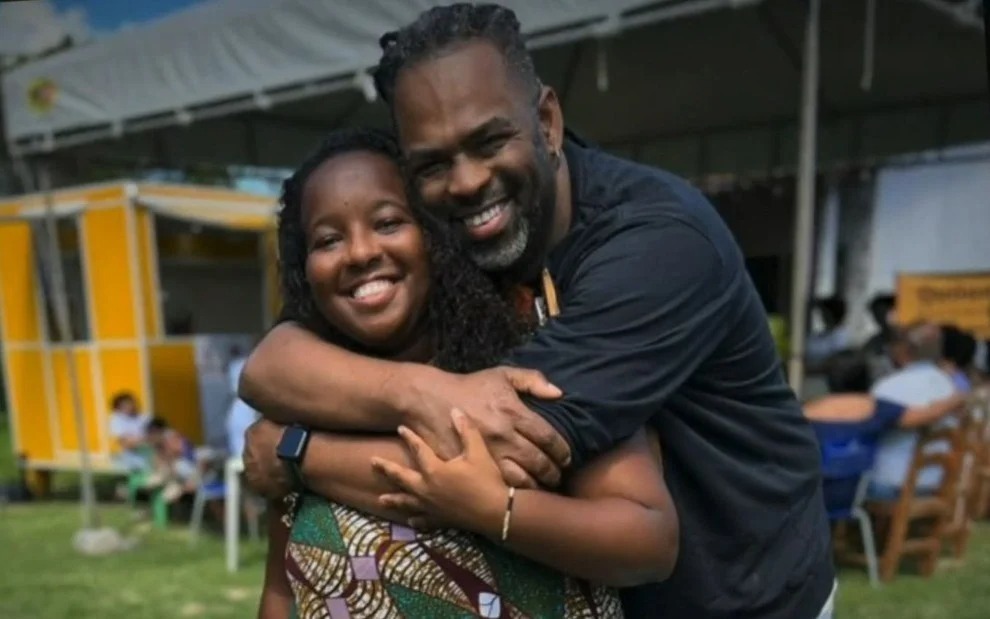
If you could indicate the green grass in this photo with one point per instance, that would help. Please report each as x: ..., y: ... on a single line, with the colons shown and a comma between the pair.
x: 41, y: 577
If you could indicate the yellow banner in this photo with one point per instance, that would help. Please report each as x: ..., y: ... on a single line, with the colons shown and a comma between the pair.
x: 961, y: 299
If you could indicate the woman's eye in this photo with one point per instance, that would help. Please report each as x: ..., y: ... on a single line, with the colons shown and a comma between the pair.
x: 326, y: 242
x: 389, y: 225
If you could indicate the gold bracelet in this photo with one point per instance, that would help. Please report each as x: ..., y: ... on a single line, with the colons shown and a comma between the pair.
x: 507, y: 519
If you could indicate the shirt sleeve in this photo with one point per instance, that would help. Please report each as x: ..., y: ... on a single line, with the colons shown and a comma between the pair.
x: 116, y: 426
x: 642, y: 312
x: 886, y: 416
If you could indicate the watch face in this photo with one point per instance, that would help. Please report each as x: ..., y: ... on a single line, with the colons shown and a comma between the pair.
x: 293, y: 444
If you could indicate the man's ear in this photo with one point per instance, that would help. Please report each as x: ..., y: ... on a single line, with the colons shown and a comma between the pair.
x: 551, y: 118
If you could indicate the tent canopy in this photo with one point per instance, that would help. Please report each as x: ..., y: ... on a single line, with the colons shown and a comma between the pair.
x: 258, y: 82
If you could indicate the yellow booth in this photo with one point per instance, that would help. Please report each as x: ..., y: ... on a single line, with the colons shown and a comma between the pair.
x: 164, y: 283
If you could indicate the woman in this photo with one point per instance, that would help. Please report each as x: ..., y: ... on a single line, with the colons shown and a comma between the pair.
x: 361, y: 271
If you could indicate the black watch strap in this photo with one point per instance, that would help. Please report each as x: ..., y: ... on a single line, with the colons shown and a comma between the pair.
x: 291, y: 450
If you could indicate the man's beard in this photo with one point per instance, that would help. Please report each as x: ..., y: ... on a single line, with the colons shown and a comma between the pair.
x: 520, y: 250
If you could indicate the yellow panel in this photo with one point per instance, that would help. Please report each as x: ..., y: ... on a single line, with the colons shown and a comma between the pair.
x: 93, y: 417
x: 28, y: 400
x: 17, y: 284
x: 151, y: 190
x: 147, y: 264
x: 121, y: 370
x: 109, y: 266
x: 176, y: 387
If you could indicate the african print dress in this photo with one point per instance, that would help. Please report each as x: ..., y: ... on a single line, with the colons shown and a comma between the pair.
x: 344, y: 564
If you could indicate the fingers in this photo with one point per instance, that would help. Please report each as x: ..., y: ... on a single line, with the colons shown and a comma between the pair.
x: 536, y: 463
x: 540, y: 433
x: 402, y: 501
x: 422, y: 523
x: 515, y: 476
x: 426, y: 459
x: 471, y: 440
x: 404, y: 479
x: 531, y: 382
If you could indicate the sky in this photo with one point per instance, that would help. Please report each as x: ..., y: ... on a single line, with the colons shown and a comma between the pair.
x: 33, y: 26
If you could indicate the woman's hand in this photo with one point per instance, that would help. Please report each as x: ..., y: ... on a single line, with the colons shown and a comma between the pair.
x: 466, y: 492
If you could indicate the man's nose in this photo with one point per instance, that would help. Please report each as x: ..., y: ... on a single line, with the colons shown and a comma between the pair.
x: 468, y: 177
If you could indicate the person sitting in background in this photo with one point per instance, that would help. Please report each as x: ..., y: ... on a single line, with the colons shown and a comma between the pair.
x: 917, y: 381
x: 958, y: 351
x: 177, y: 464
x: 241, y: 415
x: 882, y: 307
x: 834, y: 337
x: 851, y: 412
x: 128, y: 429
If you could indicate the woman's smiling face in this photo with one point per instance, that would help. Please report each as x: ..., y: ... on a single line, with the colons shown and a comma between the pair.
x: 367, y: 263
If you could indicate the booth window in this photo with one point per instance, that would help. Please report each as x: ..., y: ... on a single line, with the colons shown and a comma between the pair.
x: 72, y: 269
x: 211, y: 278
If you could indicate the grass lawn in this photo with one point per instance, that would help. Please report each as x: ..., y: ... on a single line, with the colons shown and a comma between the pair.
x: 42, y: 578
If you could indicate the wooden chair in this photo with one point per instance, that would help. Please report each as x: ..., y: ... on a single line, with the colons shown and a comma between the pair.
x: 958, y: 527
x: 914, y: 525
x: 981, y: 460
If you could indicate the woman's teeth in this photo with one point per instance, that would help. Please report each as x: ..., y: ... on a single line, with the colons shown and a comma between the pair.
x: 371, y: 288
x: 484, y: 216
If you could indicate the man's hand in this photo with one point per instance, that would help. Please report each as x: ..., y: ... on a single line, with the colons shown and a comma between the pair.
x: 527, y: 448
x: 264, y: 472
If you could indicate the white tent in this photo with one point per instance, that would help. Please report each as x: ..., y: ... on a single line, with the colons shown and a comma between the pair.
x: 686, y: 85
x: 696, y: 85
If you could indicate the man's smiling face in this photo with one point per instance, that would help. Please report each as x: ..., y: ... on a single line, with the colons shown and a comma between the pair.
x: 475, y: 153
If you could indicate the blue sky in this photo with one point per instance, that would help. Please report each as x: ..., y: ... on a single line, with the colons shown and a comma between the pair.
x: 108, y: 15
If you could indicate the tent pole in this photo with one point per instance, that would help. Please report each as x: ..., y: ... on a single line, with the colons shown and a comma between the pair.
x: 807, y: 164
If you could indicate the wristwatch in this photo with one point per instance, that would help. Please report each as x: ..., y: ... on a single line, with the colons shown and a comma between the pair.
x: 291, y: 450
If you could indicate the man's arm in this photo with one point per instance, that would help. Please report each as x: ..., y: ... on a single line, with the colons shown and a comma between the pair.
x: 641, y: 313
x: 293, y: 376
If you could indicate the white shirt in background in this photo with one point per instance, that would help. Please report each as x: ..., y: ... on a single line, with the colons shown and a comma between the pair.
x: 241, y: 416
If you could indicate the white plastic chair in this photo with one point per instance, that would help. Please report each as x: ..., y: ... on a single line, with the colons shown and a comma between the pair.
x: 212, y: 488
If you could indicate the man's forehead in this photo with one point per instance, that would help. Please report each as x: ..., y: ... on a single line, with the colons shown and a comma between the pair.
x: 440, y: 98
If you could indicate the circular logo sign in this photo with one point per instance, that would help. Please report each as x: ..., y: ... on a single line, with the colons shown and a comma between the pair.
x: 42, y: 95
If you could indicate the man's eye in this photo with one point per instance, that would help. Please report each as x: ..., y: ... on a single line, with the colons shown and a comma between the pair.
x: 490, y: 146
x: 431, y: 170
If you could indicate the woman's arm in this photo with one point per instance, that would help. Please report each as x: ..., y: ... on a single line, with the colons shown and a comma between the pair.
x: 620, y: 528
x: 276, y: 595
x: 917, y: 416
x: 840, y: 407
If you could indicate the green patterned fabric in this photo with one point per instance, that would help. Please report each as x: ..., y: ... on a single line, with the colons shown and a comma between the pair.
x: 343, y: 564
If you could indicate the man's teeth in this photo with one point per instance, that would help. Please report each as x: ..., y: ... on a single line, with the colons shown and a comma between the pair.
x: 484, y: 216
x: 373, y: 287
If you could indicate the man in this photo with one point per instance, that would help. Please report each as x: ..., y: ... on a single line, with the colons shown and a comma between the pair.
x: 834, y: 336
x: 958, y: 353
x: 882, y: 308
x: 659, y: 324
x: 917, y: 381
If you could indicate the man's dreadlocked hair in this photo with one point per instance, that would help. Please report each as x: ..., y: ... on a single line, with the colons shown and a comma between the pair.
x: 437, y: 29
x: 473, y: 325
